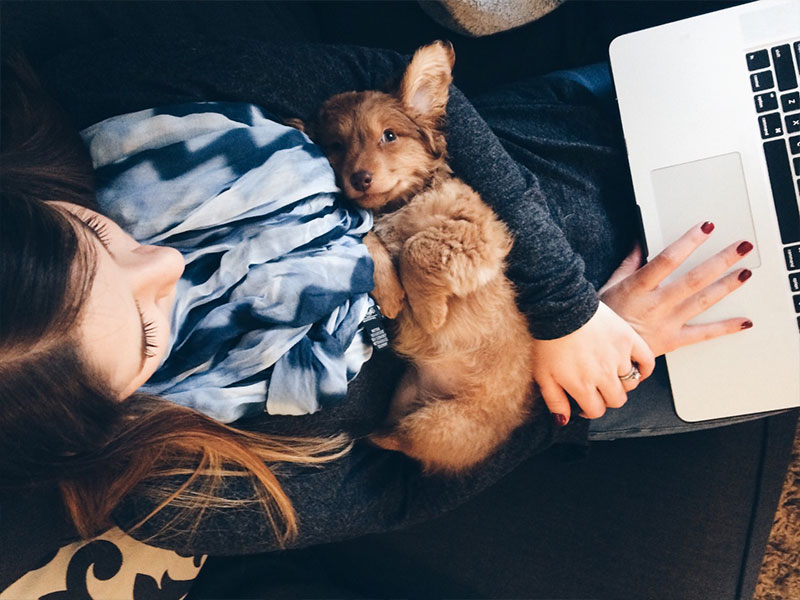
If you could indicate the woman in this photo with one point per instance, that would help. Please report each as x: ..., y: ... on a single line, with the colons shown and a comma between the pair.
x: 69, y: 276
x: 365, y: 490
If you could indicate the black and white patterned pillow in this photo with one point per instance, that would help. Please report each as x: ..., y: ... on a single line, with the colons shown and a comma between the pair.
x: 113, y: 566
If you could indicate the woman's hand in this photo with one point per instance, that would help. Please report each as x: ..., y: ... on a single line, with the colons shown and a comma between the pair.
x: 587, y: 364
x: 659, y: 313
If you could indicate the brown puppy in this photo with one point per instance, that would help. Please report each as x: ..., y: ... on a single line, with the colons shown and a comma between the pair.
x: 439, y: 256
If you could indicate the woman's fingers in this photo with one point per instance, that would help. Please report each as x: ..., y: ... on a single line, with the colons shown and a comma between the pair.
x: 711, y: 294
x: 556, y: 401
x: 644, y: 357
x: 614, y: 392
x: 691, y: 334
x: 671, y: 257
x: 705, y: 274
x: 592, y: 403
x: 555, y: 397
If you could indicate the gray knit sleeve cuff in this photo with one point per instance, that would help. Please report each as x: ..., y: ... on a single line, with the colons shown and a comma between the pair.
x: 554, y: 320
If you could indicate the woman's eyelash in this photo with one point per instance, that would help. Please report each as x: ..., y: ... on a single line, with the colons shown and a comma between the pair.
x: 149, y: 332
x: 149, y: 329
x: 100, y: 228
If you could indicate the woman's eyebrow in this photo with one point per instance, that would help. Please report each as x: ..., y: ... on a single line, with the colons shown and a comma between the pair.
x: 138, y: 310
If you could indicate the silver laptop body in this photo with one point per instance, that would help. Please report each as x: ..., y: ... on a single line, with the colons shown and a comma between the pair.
x: 711, y: 120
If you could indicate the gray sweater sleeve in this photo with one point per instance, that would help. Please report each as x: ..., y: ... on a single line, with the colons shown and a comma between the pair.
x: 124, y: 75
x: 547, y: 273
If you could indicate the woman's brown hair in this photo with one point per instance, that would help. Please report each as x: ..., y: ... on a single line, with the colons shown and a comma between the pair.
x: 59, y: 423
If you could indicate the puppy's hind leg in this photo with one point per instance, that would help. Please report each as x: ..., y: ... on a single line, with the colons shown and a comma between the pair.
x: 404, y: 401
x: 445, y: 436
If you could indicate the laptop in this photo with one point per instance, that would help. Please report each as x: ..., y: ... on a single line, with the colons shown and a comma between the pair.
x: 710, y: 111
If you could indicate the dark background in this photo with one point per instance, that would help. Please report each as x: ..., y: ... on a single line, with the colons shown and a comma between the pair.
x: 673, y: 517
x: 575, y: 34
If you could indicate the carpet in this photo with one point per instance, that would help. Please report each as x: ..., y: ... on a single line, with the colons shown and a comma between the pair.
x: 779, y: 578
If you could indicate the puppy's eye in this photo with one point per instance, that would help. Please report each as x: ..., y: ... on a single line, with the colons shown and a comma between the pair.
x: 388, y: 136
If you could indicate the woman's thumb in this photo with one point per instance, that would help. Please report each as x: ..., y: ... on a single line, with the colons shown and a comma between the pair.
x: 628, y: 267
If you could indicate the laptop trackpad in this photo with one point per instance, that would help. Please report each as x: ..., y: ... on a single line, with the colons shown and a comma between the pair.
x: 712, y: 189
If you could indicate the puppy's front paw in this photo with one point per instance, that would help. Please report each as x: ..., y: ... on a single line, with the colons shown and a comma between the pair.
x: 388, y: 292
x: 390, y: 297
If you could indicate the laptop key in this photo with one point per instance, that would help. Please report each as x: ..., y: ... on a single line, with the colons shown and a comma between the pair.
x: 781, y: 181
x: 765, y: 102
x: 794, y: 144
x: 797, y: 55
x: 796, y: 166
x: 792, y: 256
x: 796, y: 303
x: 762, y: 81
x: 784, y: 67
x: 793, y: 124
x: 757, y: 60
x: 794, y: 282
x: 790, y: 102
x: 771, y: 126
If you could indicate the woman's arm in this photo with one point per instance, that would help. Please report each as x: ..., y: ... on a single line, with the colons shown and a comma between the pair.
x: 546, y: 271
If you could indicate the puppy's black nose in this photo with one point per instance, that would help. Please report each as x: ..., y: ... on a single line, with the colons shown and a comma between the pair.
x: 361, y: 180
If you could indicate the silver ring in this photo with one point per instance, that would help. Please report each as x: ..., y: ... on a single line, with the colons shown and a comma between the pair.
x: 632, y: 375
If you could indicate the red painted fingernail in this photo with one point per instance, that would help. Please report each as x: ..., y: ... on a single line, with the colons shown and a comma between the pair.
x: 560, y: 420
x: 744, y: 248
x: 747, y: 325
x: 707, y: 227
x: 745, y: 275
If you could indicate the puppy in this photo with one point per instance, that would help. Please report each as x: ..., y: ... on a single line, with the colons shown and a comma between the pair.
x: 439, y: 255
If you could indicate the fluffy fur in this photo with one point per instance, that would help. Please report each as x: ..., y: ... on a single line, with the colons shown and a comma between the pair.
x: 439, y: 255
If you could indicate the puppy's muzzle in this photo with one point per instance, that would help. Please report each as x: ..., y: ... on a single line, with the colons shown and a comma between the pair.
x: 361, y: 180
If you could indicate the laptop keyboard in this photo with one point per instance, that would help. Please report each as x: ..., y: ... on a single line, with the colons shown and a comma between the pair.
x: 774, y: 74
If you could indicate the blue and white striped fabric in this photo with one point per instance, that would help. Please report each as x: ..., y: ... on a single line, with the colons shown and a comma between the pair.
x: 276, y: 281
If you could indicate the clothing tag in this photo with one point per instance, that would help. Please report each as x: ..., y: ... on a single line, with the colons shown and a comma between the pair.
x: 373, y: 326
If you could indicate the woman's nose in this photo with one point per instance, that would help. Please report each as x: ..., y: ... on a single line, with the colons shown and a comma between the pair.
x: 154, y: 270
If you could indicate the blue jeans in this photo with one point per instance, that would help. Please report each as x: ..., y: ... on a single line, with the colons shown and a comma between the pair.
x: 525, y: 116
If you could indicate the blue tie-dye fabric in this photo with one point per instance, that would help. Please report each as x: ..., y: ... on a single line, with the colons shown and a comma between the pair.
x: 276, y: 281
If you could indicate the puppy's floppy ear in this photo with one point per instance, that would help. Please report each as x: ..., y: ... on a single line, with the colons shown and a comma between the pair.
x: 306, y: 127
x: 296, y: 123
x: 426, y: 81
